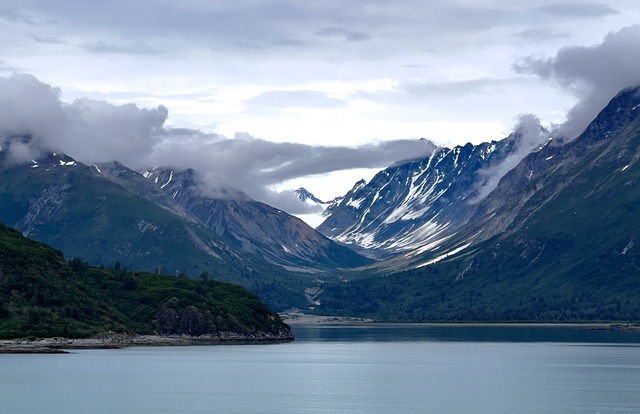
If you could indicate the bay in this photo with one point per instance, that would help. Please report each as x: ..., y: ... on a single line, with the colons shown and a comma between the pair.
x: 343, y: 369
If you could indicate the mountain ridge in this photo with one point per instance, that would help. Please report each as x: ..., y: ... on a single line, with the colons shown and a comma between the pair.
x: 556, y: 240
x: 413, y: 203
x: 254, y: 227
x: 74, y: 207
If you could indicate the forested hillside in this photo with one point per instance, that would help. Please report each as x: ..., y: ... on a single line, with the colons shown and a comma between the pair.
x: 42, y: 295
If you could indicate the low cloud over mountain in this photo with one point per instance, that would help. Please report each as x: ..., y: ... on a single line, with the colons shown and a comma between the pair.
x: 594, y: 73
x: 96, y: 131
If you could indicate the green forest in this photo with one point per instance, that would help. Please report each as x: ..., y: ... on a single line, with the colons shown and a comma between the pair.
x: 44, y: 295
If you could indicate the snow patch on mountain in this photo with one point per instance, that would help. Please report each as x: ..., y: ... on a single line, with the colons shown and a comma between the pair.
x: 421, y: 202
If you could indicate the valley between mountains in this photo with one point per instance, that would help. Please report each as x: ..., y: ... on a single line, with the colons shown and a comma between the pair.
x: 533, y: 227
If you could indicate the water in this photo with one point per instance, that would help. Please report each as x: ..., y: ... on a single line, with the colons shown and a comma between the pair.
x: 343, y: 370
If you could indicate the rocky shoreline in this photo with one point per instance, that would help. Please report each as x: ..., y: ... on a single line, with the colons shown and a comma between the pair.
x: 59, y: 345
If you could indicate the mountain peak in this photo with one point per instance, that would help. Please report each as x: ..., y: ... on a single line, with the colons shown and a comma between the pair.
x: 304, y: 195
x: 360, y: 184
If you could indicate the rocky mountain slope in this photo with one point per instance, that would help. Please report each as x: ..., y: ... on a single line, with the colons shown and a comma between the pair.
x: 75, y: 208
x: 563, y: 171
x: 556, y: 240
x: 71, y: 206
x: 415, y: 203
x: 244, y: 224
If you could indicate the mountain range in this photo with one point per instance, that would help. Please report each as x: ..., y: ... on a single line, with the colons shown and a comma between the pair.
x: 531, y: 227
x: 160, y: 221
x: 557, y: 239
x: 415, y: 203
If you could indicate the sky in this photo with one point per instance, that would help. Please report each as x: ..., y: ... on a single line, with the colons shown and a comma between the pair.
x: 268, y: 95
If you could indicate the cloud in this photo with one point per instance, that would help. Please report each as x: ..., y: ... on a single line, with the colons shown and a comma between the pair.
x: 47, y: 40
x: 595, y: 74
x: 541, y: 34
x: 133, y: 48
x: 379, y: 28
x: 33, y: 120
x: 253, y: 165
x: 528, y: 135
x: 289, y: 43
x: 456, y: 88
x: 344, y: 33
x: 87, y: 129
x: 6, y: 67
x: 100, y: 131
x: 578, y: 9
x: 16, y: 17
x: 275, y: 100
x: 29, y: 107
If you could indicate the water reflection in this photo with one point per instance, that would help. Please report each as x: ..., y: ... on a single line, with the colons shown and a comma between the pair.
x: 464, y: 333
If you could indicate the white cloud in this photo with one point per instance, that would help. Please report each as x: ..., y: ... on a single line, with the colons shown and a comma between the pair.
x: 100, y: 131
x: 133, y: 48
x: 97, y: 131
x: 286, y: 70
x: 594, y: 73
x: 29, y: 107
x: 528, y: 135
x: 344, y: 33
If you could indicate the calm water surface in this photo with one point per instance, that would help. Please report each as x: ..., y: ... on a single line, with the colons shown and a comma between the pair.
x: 343, y: 370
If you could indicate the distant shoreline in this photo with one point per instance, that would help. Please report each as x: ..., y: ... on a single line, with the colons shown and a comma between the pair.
x: 300, y: 319
x: 60, y: 345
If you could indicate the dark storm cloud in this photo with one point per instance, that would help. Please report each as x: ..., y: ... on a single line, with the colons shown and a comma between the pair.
x: 595, y: 74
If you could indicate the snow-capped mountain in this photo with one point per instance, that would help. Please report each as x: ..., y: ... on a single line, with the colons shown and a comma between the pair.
x: 558, y: 239
x: 415, y: 203
x: 556, y: 193
x: 316, y: 207
x: 503, y: 230
x: 162, y: 221
x: 304, y: 195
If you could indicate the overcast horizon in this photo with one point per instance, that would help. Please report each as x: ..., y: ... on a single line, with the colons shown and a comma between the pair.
x: 264, y: 90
